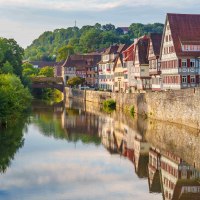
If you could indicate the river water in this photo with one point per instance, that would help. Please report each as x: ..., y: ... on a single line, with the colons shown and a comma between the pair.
x: 78, y: 152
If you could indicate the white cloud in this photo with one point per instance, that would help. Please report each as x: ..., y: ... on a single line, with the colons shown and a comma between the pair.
x: 99, y: 5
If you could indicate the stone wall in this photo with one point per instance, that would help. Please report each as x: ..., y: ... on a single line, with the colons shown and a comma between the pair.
x: 178, y: 106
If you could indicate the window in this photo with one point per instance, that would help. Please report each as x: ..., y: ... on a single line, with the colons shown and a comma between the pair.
x: 184, y: 79
x: 184, y: 63
x: 192, y: 79
x: 192, y: 63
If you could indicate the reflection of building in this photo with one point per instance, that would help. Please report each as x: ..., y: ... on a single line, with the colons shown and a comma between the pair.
x: 178, y: 178
x: 141, y: 152
x: 154, y: 170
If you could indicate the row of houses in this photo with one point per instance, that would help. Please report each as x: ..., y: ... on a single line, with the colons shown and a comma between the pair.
x: 153, y: 62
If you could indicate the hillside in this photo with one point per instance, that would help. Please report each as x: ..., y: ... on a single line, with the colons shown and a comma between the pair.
x: 85, y: 39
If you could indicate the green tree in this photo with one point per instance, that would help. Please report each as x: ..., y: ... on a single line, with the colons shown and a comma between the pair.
x: 64, y: 52
x: 11, y: 53
x: 14, y: 98
x: 46, y: 71
x: 7, y: 68
x: 75, y: 81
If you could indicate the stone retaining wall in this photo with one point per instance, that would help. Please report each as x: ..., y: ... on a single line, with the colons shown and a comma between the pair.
x: 178, y: 106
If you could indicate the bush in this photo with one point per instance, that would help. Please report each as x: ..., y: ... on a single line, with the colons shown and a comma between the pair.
x: 132, y: 111
x: 14, y: 98
x: 109, y: 105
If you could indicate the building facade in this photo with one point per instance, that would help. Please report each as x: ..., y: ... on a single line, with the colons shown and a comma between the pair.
x: 106, y: 66
x: 180, y: 51
x: 84, y: 66
x: 141, y: 63
x: 154, y: 60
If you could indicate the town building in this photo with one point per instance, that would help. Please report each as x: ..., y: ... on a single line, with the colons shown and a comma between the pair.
x: 180, y: 51
x: 141, y: 64
x: 129, y: 78
x: 106, y: 66
x: 119, y: 75
x: 84, y: 66
x: 154, y: 60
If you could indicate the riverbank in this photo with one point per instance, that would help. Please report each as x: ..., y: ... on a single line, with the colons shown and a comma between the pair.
x: 177, y: 106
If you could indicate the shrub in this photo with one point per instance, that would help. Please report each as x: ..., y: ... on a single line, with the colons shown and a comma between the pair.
x: 132, y: 111
x: 109, y: 105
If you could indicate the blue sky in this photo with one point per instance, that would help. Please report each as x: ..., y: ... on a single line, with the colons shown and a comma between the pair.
x: 25, y: 20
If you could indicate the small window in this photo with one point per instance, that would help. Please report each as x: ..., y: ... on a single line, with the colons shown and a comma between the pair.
x: 184, y: 63
x: 192, y: 79
x: 192, y: 63
x: 184, y: 79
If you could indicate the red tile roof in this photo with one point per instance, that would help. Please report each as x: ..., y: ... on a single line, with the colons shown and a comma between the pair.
x: 156, y: 39
x: 142, y: 45
x: 128, y: 53
x: 82, y: 61
x: 185, y: 29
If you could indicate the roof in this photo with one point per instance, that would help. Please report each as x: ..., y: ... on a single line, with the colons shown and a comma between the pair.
x: 114, y: 49
x: 124, y: 29
x: 142, y: 45
x: 156, y: 39
x: 42, y: 64
x: 82, y: 60
x: 185, y: 29
x: 128, y: 53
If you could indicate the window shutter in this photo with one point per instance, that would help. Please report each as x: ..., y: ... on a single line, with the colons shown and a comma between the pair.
x: 197, y: 79
x: 181, y: 79
x: 188, y: 62
x: 180, y: 64
x: 188, y: 78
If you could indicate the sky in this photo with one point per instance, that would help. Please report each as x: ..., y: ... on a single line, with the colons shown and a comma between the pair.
x: 25, y: 20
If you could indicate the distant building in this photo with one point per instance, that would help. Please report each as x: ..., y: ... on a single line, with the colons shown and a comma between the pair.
x: 124, y: 29
x: 84, y: 66
x: 180, y: 51
x: 106, y: 66
x: 41, y: 64
x: 154, y: 60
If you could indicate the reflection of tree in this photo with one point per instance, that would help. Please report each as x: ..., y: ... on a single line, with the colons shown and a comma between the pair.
x: 11, y: 140
x: 74, y: 131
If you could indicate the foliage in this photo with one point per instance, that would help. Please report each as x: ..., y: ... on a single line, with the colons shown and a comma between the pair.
x: 109, y: 105
x: 75, y: 81
x: 10, y: 57
x: 64, y: 52
x: 46, y: 72
x: 132, y: 111
x: 7, y: 68
x: 86, y: 39
x: 14, y: 98
x: 11, y: 140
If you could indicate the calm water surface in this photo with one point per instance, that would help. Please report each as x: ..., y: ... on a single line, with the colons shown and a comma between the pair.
x: 81, y: 153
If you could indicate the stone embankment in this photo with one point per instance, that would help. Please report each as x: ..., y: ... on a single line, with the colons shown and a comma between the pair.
x: 178, y: 106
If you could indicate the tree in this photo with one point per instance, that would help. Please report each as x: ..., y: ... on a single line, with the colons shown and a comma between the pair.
x: 11, y: 53
x: 14, y: 98
x: 64, y: 52
x: 108, y: 27
x: 46, y: 71
x: 75, y: 81
x: 7, y: 68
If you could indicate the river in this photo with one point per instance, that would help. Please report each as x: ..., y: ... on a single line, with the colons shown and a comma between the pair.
x: 78, y: 152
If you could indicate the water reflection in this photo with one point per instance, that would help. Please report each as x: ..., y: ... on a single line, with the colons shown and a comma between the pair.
x: 11, y: 140
x: 166, y: 171
x: 164, y: 156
